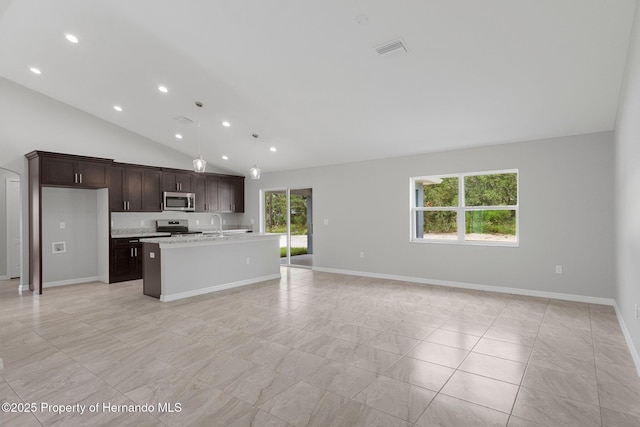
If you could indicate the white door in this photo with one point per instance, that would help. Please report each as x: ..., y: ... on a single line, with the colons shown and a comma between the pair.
x: 13, y: 228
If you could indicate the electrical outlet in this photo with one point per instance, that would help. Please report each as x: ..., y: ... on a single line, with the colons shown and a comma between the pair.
x: 326, y: 222
x: 62, y: 225
x: 252, y: 221
x: 361, y: 254
x: 142, y: 223
x: 197, y: 222
x: 248, y: 260
x: 558, y: 269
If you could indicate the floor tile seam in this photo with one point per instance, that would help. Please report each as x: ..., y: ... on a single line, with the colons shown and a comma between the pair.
x: 479, y: 404
x: 384, y: 374
x: 558, y: 396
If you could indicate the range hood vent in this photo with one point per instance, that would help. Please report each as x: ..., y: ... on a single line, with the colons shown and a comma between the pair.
x: 392, y: 46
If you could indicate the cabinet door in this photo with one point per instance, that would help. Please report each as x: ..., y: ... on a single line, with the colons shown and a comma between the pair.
x: 116, y: 187
x: 213, y: 203
x: 238, y: 195
x: 225, y: 195
x: 93, y: 174
x: 175, y: 181
x: 58, y: 171
x: 152, y: 193
x: 134, y: 189
x: 200, y: 188
x: 125, y: 260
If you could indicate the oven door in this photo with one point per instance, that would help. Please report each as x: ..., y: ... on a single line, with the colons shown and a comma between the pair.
x: 185, y: 202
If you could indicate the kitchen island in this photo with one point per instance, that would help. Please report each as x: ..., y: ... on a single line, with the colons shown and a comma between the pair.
x: 186, y: 266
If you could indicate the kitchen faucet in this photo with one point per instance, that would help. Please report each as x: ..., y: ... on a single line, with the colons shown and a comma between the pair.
x: 220, y: 218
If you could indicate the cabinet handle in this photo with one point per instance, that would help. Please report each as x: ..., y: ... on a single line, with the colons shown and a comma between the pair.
x: 128, y: 205
x: 124, y: 205
x: 135, y: 251
x: 80, y: 178
x: 75, y: 178
x: 131, y: 250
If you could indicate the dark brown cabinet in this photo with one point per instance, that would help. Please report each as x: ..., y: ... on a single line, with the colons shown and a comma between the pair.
x: 71, y: 171
x: 231, y: 194
x: 206, y: 190
x: 177, y: 181
x: 135, y: 189
x: 125, y: 260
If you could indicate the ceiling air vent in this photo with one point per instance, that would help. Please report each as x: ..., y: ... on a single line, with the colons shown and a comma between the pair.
x: 392, y: 46
x: 184, y: 120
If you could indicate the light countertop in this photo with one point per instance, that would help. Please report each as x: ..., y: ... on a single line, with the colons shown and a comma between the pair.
x: 190, y: 240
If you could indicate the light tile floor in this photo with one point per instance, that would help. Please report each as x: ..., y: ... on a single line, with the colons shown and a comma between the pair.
x: 313, y: 349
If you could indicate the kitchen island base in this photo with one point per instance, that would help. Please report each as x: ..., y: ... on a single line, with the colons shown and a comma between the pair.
x: 176, y: 268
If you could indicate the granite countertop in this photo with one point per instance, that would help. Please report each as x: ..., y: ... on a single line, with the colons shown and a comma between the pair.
x: 151, y: 232
x: 136, y: 232
x: 209, y: 239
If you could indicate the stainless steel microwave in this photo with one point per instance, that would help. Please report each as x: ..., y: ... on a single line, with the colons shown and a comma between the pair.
x: 185, y: 202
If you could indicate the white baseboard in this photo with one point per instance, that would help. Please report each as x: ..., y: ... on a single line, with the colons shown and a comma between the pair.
x: 627, y: 337
x: 23, y: 288
x: 202, y: 291
x: 474, y: 286
x: 70, y: 282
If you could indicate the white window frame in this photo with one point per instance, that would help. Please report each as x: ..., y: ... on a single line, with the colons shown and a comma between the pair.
x: 461, y: 210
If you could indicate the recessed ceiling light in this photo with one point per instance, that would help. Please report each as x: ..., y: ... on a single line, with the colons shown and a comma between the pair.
x: 71, y: 38
x: 225, y: 158
x: 178, y: 136
x: 163, y: 89
x: 226, y: 124
x: 273, y: 149
x: 35, y: 70
x: 117, y: 108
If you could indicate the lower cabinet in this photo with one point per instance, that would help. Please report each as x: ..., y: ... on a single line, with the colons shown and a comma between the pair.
x: 125, y: 260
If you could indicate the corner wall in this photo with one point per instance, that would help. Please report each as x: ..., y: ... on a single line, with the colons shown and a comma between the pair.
x: 566, y: 217
x: 627, y: 137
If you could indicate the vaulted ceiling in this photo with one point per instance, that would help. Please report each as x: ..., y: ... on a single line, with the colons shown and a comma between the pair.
x: 306, y: 77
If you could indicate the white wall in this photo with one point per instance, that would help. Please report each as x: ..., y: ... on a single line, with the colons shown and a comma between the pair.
x: 627, y: 135
x: 566, y: 217
x: 31, y: 121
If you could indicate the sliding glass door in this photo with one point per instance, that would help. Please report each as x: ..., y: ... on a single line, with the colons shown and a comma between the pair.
x: 289, y: 211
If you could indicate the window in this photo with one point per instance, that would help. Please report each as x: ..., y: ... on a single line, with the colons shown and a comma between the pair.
x: 480, y: 208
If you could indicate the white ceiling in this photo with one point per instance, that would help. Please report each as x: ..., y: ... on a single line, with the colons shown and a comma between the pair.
x: 304, y: 74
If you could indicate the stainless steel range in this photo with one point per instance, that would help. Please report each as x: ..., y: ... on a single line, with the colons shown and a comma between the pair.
x: 174, y: 226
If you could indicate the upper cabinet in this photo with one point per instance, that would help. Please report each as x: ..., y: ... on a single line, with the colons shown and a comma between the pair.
x: 135, y: 189
x: 175, y: 180
x: 62, y: 170
x: 231, y: 194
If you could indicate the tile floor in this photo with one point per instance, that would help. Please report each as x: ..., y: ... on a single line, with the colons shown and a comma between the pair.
x: 314, y: 349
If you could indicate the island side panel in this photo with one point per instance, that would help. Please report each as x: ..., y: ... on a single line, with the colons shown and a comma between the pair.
x: 151, y: 270
x: 194, y: 270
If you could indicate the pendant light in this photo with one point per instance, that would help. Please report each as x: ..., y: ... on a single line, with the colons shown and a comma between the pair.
x: 255, y: 170
x: 199, y: 164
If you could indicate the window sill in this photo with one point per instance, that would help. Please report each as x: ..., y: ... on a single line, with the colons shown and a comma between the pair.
x: 466, y: 243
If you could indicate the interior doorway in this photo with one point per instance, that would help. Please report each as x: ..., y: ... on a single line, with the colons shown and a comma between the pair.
x: 290, y: 212
x: 10, y: 225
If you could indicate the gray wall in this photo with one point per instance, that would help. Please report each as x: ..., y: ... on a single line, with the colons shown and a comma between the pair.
x: 566, y: 216
x: 628, y: 191
x: 78, y: 209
